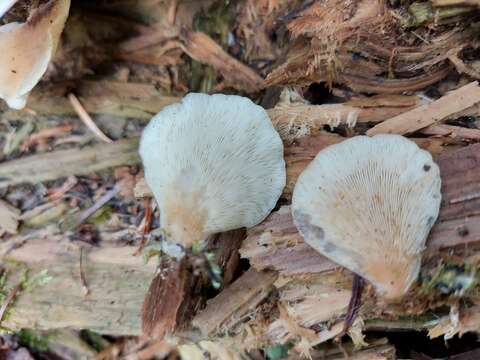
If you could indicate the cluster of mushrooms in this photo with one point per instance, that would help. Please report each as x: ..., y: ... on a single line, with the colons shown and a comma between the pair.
x: 215, y: 163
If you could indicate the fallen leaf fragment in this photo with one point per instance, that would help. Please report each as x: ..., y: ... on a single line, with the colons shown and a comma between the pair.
x: 27, y: 49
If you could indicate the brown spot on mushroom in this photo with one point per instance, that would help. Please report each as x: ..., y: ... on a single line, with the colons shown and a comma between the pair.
x: 426, y: 167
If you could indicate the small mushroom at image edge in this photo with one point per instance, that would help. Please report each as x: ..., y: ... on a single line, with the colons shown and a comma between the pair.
x: 214, y: 163
x: 27, y: 49
x: 368, y: 204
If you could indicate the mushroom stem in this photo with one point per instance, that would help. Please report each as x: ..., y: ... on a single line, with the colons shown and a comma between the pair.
x: 5, y: 6
x: 355, y: 302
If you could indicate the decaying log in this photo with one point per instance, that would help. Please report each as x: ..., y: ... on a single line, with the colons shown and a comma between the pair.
x: 135, y: 100
x: 62, y: 163
x: 117, y: 281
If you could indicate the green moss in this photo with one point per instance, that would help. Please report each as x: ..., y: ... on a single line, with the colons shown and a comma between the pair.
x: 96, y: 341
x: 26, y: 282
x: 100, y: 216
x: 449, y: 279
x: 276, y: 352
x: 33, y: 340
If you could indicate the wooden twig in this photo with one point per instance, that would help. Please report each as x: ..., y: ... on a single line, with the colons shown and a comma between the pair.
x: 83, y: 278
x: 423, y: 116
x: 63, y: 163
x: 455, y: 132
x: 9, y: 299
x: 226, y: 306
x: 123, y: 99
x: 87, y: 120
x: 45, y: 134
x: 85, y: 214
x: 58, y: 192
x: 203, y: 48
x: 145, y: 225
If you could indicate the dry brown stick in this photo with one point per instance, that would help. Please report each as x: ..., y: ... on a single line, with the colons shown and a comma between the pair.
x: 452, y: 131
x: 432, y: 113
x: 45, y: 134
x: 85, y: 214
x: 146, y: 225
x: 87, y: 120
x: 249, y: 290
x: 63, y: 163
x: 9, y: 299
x: 204, y: 49
x: 83, y: 278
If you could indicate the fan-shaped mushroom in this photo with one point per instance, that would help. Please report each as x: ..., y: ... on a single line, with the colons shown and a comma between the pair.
x: 368, y: 204
x: 214, y: 163
x: 27, y: 50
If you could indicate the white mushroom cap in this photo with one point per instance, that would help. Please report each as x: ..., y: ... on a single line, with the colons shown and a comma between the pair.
x: 214, y: 163
x: 27, y: 50
x: 368, y: 204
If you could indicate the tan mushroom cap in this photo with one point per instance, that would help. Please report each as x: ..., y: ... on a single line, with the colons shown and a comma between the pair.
x: 368, y: 204
x: 27, y: 50
x: 214, y: 163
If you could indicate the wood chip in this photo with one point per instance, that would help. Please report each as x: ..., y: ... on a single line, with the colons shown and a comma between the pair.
x: 432, y: 113
x: 9, y: 217
x: 455, y: 132
x: 164, y: 298
x: 250, y: 286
